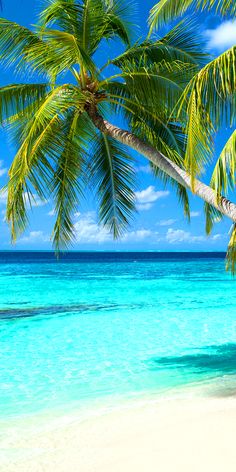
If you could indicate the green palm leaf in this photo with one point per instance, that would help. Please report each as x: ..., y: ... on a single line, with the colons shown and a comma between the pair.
x: 222, y: 180
x: 119, y: 19
x: 147, y: 122
x: 182, y: 43
x: 67, y: 47
x: 181, y: 191
x: 154, y: 87
x: 223, y: 176
x: 31, y: 161
x: 113, y: 177
x: 207, y: 101
x: 231, y: 252
x: 89, y: 21
x: 17, y: 44
x: 64, y: 14
x: 17, y: 97
x: 212, y: 216
x: 167, y: 10
x: 67, y: 183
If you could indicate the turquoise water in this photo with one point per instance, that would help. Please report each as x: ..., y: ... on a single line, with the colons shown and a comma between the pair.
x: 74, y: 334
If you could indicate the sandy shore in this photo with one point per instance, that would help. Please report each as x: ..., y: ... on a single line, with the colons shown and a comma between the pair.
x: 169, y: 436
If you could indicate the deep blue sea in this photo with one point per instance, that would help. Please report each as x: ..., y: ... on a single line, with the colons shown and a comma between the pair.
x: 99, y: 328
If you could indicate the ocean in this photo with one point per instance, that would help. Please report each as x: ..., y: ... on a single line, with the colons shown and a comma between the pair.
x: 95, y: 329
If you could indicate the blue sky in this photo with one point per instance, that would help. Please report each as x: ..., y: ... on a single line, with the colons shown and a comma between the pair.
x: 159, y: 223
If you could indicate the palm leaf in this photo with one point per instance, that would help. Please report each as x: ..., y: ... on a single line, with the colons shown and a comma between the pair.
x: 118, y: 19
x: 16, y: 97
x: 67, y: 182
x: 89, y: 21
x: 212, y: 216
x: 222, y: 180
x: 223, y: 176
x: 68, y: 48
x: 182, y: 43
x: 167, y: 10
x: 154, y: 87
x: 231, y: 252
x: 64, y: 14
x: 21, y: 47
x: 31, y: 161
x: 113, y: 176
x: 148, y: 123
x: 181, y: 192
x: 207, y: 101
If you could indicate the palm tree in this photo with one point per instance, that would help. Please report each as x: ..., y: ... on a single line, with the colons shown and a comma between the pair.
x: 65, y: 142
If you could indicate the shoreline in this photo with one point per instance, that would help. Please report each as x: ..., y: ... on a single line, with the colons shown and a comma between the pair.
x: 178, y: 434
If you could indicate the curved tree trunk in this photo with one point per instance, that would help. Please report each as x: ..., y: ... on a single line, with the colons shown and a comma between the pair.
x: 203, y: 191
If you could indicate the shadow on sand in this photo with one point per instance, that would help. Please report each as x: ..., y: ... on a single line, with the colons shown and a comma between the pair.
x: 217, y: 363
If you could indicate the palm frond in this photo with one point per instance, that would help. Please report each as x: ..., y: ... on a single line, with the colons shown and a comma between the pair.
x: 212, y: 216
x: 64, y: 14
x: 148, y: 122
x: 183, y: 43
x: 199, y: 130
x: 105, y: 19
x: 67, y: 182
x: 222, y: 180
x: 181, y: 192
x: 207, y: 101
x: 114, y: 180
x: 167, y: 137
x: 31, y: 161
x: 17, y: 97
x: 156, y: 86
x: 89, y: 21
x: 223, y: 176
x: 66, y: 46
x: 231, y: 252
x: 17, y: 46
x: 165, y: 11
x: 119, y: 20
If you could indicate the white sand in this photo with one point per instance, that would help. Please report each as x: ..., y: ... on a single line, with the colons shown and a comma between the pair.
x: 175, y: 436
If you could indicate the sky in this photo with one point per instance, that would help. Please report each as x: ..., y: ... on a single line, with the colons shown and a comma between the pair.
x: 159, y: 224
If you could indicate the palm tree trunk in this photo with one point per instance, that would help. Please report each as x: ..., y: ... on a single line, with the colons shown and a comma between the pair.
x: 203, y: 191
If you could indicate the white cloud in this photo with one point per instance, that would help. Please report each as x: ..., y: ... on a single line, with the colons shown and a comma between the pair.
x: 166, y: 222
x: 138, y: 235
x: 51, y: 213
x: 144, y: 206
x: 194, y: 214
x: 3, y: 197
x: 222, y: 37
x: 180, y: 236
x: 150, y: 195
x: 34, y: 200
x: 3, y: 170
x: 174, y: 236
x: 34, y: 237
x: 87, y: 230
x: 216, y: 237
x: 146, y: 198
x: 144, y: 169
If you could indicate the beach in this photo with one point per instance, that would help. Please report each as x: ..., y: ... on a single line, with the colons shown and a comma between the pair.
x: 181, y: 435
